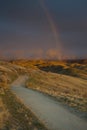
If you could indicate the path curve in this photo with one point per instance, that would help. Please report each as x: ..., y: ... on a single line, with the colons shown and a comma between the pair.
x: 52, y: 113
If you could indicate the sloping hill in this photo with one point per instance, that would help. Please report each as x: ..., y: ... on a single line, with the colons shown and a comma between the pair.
x: 68, y: 89
x: 13, y: 113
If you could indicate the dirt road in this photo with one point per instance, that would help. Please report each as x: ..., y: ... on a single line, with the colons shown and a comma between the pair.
x: 52, y: 113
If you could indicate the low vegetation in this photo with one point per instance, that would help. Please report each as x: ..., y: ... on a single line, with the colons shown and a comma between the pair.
x: 65, y: 68
x: 75, y: 68
x: 66, y: 81
x: 21, y: 117
x: 67, y: 89
x: 13, y: 114
x: 4, y: 115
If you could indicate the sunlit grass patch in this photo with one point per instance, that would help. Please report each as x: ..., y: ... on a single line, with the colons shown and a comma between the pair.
x: 67, y: 89
x: 21, y: 116
x: 4, y: 115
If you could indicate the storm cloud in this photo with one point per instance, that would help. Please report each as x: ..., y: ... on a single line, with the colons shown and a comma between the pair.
x: 27, y: 32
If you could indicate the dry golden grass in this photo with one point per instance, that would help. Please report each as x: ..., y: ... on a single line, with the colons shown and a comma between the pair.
x: 26, y: 63
x: 21, y: 117
x: 70, y: 90
x: 67, y: 81
x: 9, y: 72
x: 75, y: 69
x: 4, y: 115
x: 13, y: 114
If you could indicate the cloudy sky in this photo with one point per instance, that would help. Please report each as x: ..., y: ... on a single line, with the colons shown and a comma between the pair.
x: 43, y: 28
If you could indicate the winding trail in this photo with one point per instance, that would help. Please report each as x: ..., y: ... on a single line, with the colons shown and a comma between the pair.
x: 52, y: 113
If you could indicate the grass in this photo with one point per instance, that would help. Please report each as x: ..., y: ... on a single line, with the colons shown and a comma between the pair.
x: 22, y: 117
x: 75, y: 68
x: 70, y: 90
x: 64, y: 80
x: 4, y: 114
x: 13, y: 113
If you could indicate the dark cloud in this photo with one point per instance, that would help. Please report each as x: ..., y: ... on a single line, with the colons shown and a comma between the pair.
x: 24, y: 26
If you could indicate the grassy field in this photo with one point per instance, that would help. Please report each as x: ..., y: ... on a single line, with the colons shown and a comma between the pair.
x: 13, y: 114
x: 64, y: 80
x: 77, y: 68
x: 19, y: 117
x: 4, y: 114
x: 67, y: 89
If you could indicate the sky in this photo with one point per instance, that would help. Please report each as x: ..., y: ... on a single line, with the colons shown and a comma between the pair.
x: 52, y: 29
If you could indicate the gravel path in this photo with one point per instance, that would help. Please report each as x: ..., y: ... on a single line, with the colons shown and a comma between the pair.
x: 52, y: 113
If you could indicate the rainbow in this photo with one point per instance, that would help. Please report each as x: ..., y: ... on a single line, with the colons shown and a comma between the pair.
x: 53, y: 27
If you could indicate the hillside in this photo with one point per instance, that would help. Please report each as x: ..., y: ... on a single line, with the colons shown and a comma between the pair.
x: 13, y: 113
x: 65, y: 81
